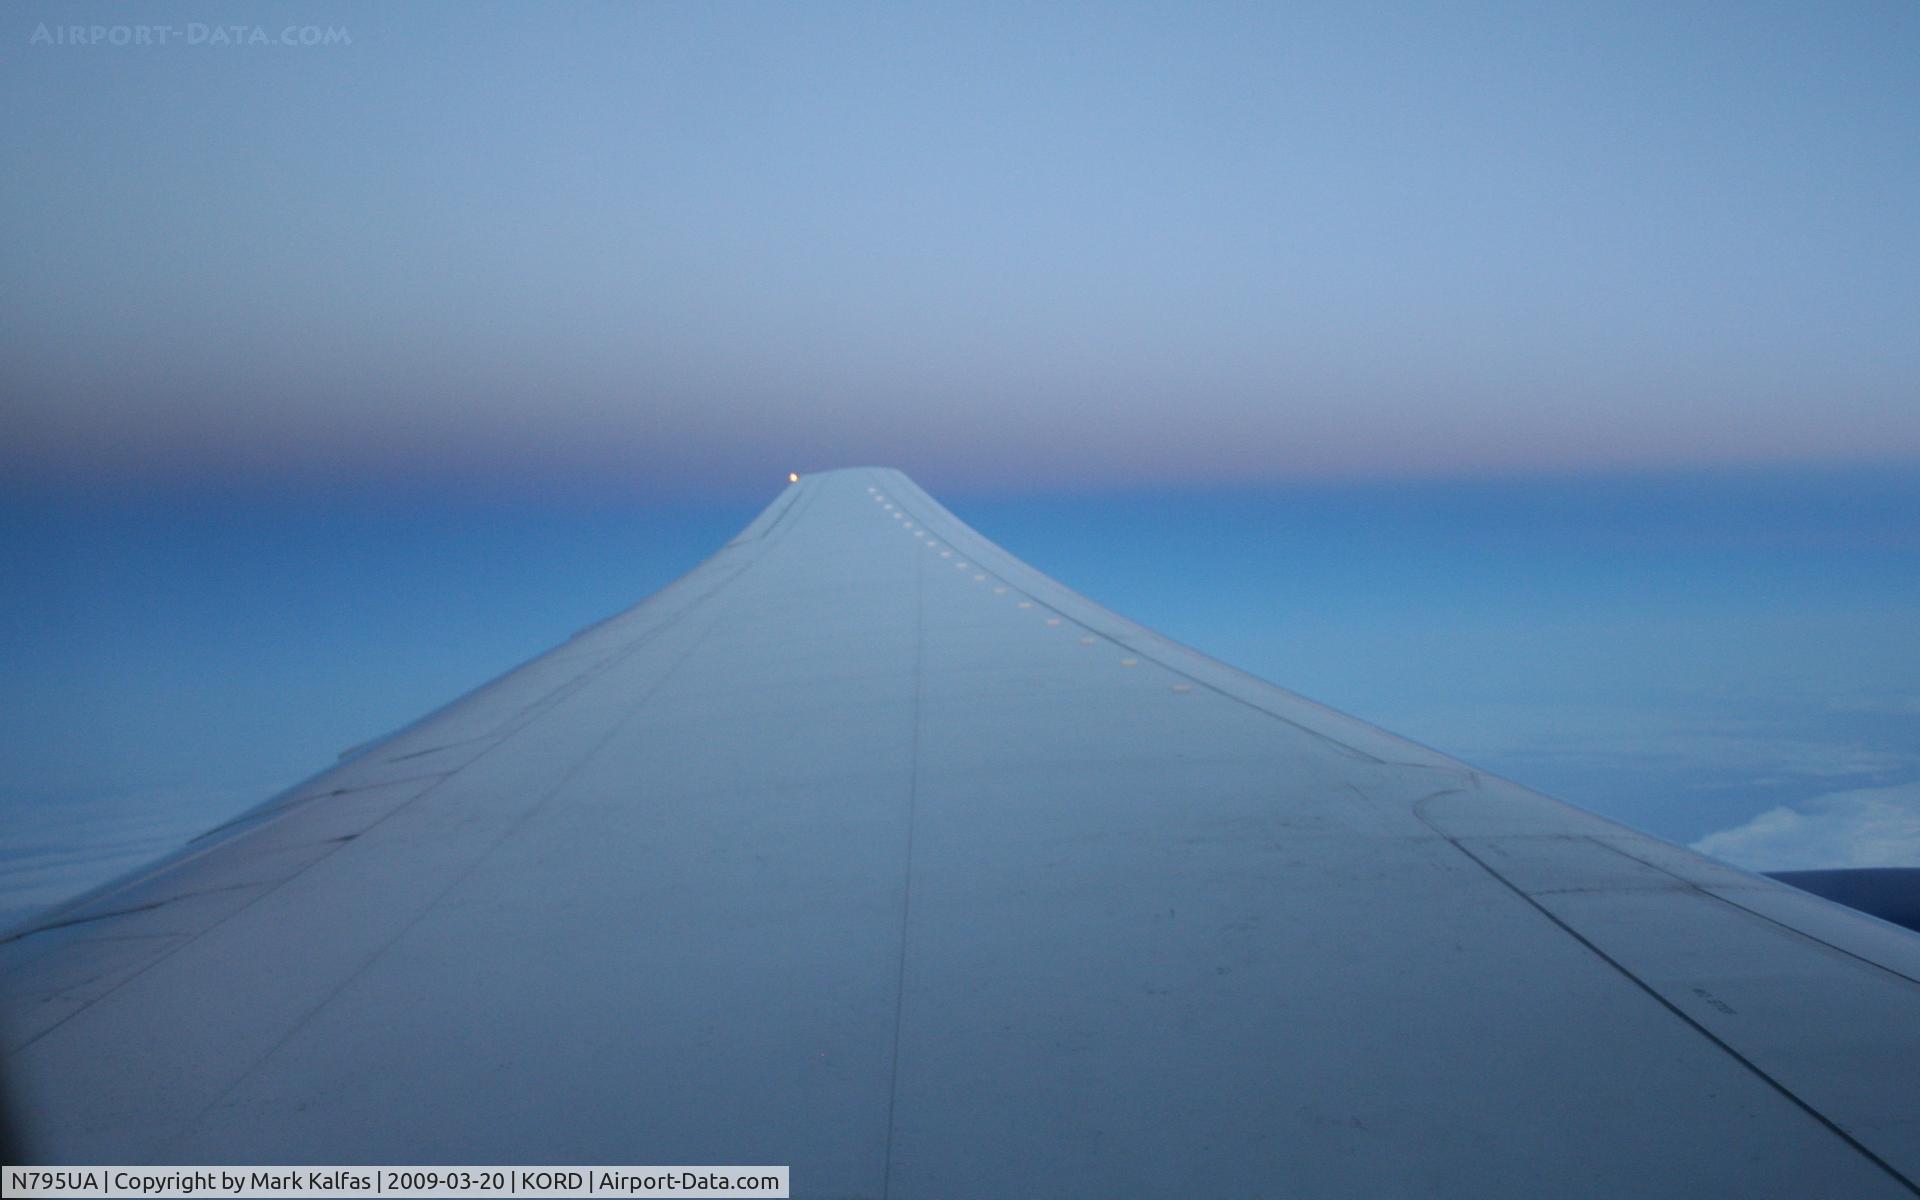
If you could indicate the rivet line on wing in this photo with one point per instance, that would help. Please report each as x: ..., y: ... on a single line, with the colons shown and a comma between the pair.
x: 1000, y: 589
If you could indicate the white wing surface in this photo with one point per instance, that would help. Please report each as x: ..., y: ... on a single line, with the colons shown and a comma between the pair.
x: 868, y: 849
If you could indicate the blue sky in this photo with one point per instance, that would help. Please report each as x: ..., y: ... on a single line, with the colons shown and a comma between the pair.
x: 1555, y: 361
x: 691, y: 245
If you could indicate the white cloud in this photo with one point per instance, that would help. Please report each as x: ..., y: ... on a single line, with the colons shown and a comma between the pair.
x: 1871, y: 827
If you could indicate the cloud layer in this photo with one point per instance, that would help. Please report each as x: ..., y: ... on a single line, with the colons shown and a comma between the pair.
x: 1871, y: 827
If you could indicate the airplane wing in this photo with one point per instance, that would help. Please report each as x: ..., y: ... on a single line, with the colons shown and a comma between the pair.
x: 868, y: 849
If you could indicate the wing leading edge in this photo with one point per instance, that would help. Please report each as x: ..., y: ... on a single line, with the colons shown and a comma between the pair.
x: 869, y: 849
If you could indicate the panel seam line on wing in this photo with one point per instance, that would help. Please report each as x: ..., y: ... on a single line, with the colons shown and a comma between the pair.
x: 1708, y: 892
x: 906, y: 889
x: 1667, y: 1004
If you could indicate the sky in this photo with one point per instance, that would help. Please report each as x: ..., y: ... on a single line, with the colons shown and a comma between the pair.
x: 1536, y: 380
